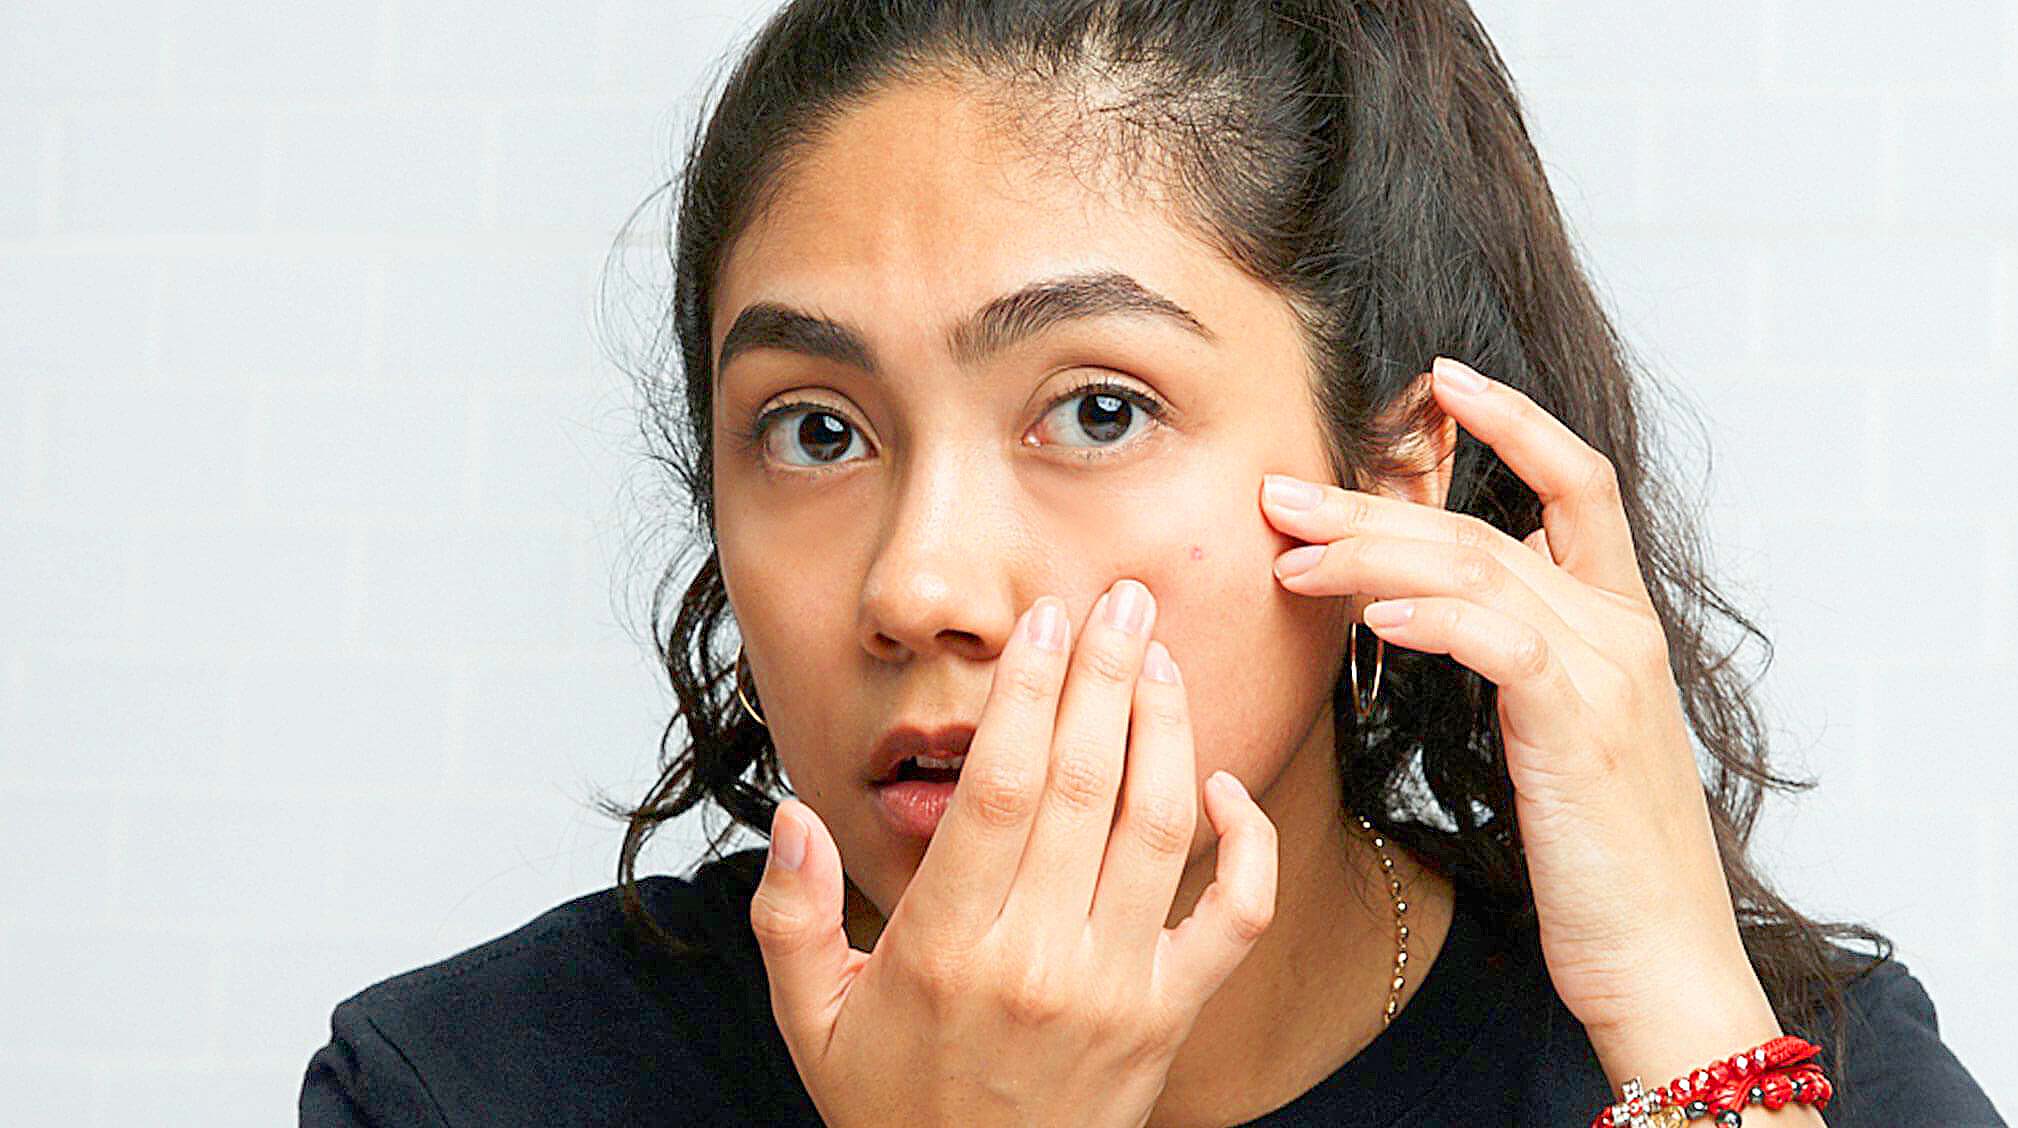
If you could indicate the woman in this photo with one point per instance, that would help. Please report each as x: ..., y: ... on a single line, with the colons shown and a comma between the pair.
x: 1058, y: 394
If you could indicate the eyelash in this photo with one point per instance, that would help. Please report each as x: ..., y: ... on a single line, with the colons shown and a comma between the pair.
x: 1155, y: 408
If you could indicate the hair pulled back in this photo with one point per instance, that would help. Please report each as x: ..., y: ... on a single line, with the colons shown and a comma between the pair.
x: 1367, y: 160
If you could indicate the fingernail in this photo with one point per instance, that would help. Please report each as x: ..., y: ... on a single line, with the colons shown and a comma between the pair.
x: 1157, y: 663
x: 1457, y: 374
x: 1291, y: 493
x: 788, y: 842
x: 1389, y: 613
x: 1128, y: 606
x: 1227, y: 782
x: 1046, y: 626
x: 1300, y: 559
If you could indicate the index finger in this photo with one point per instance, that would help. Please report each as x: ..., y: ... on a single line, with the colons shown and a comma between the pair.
x: 971, y: 862
x: 1582, y: 508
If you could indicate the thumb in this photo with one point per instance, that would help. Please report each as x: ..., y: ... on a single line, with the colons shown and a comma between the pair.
x: 796, y: 914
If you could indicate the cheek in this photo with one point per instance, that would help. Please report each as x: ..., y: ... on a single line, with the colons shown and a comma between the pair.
x: 790, y: 617
x: 1257, y: 659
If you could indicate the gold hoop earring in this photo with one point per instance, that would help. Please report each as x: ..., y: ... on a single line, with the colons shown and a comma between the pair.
x: 747, y: 707
x: 1363, y: 709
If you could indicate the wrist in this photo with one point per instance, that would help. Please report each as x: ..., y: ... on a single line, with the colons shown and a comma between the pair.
x: 1688, y: 1022
x: 1691, y: 1021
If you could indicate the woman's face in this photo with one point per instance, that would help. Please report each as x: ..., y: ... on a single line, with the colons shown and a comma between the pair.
x: 941, y: 470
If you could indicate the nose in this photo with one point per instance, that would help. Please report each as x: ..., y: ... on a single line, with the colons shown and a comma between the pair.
x: 942, y: 579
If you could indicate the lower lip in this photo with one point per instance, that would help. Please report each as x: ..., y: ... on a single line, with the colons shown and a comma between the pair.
x: 913, y: 807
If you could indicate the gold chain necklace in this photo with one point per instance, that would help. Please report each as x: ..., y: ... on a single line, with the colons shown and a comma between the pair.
x: 1400, y: 923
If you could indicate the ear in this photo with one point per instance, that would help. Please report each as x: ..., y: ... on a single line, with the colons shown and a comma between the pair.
x: 1431, y: 446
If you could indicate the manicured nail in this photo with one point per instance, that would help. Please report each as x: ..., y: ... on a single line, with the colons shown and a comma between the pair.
x: 1291, y: 493
x: 1128, y: 606
x: 1157, y: 663
x: 1300, y: 559
x: 1389, y: 613
x: 1457, y: 374
x: 788, y: 842
x: 1046, y: 626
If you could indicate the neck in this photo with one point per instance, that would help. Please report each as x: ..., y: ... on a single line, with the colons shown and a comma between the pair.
x: 1311, y: 993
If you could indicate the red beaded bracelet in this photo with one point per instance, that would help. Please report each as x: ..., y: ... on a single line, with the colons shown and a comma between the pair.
x: 1771, y: 1074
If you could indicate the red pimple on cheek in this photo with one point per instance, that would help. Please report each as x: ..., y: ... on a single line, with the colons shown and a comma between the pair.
x: 1197, y: 552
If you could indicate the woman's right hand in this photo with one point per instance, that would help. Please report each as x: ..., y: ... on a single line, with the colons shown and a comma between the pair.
x: 1025, y: 976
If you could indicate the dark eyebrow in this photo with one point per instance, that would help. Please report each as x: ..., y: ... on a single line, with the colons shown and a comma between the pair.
x: 997, y: 325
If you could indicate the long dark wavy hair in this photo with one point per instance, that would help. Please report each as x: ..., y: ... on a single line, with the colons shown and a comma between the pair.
x: 1368, y: 161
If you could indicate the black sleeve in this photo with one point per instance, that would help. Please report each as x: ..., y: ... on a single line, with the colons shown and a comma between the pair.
x: 362, y: 1080
x: 1898, y: 1071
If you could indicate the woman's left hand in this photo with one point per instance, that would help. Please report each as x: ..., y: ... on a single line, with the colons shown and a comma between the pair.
x: 1636, y: 919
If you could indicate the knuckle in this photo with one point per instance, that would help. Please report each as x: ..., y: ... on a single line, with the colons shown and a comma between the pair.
x: 1079, y: 777
x: 1003, y: 797
x: 1164, y: 715
x: 1032, y: 997
x: 1531, y: 658
x: 1477, y: 573
x: 1474, y: 533
x: 1026, y: 684
x: 1355, y: 512
x: 927, y: 965
x: 1602, y: 480
x: 772, y: 922
x: 1163, y: 823
x: 939, y: 976
x: 1249, y: 917
x: 1107, y: 664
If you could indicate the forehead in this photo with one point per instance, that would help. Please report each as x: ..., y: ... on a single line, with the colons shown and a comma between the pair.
x: 917, y: 207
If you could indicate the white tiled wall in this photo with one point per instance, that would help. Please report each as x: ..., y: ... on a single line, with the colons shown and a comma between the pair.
x: 322, y: 522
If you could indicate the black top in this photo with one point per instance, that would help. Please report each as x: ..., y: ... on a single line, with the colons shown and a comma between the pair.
x: 570, y: 1020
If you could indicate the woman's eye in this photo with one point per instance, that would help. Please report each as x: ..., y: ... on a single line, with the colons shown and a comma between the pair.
x: 1107, y: 413
x: 1110, y: 415
x: 820, y: 433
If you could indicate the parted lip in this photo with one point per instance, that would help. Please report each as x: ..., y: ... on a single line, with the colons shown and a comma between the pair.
x: 906, y: 740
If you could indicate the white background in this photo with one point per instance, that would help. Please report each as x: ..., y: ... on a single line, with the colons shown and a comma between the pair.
x: 323, y: 525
